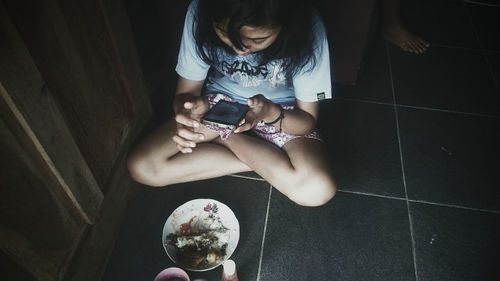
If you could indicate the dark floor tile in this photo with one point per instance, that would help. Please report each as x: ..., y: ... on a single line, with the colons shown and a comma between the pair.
x: 353, y: 237
x: 451, y: 158
x: 443, y: 22
x: 139, y: 254
x: 455, y: 244
x: 486, y: 19
x: 363, y: 145
x: 373, y: 82
x: 445, y: 78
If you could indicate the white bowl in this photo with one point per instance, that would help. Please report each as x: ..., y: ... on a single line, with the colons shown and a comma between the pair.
x: 201, y: 210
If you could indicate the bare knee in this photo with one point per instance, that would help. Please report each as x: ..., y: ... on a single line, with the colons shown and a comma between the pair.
x: 314, y: 191
x: 143, y: 170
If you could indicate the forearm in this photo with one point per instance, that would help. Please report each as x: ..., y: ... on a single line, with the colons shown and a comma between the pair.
x: 296, y: 122
x: 184, y: 91
x: 185, y: 86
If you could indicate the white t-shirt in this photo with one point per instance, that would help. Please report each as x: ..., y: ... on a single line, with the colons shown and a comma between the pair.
x: 241, y: 77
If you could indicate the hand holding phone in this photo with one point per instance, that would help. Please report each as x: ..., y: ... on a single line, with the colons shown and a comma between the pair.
x: 225, y: 114
x: 189, y: 109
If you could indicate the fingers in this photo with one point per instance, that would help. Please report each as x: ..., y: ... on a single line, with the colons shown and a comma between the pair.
x: 242, y: 122
x: 186, y: 121
x: 183, y: 141
x: 184, y: 149
x: 243, y: 127
x: 193, y: 109
x: 256, y: 100
x: 190, y: 135
x: 251, y: 102
x: 260, y: 109
x: 198, y: 105
x: 193, y: 104
x: 188, y: 105
x: 184, y: 146
x: 186, y: 139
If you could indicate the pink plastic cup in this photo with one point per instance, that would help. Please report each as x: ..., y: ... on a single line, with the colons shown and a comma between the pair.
x: 172, y: 274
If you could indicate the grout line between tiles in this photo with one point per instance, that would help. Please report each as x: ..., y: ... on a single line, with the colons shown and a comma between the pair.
x: 410, y: 221
x: 396, y: 198
x: 455, y: 206
x: 449, y: 111
x: 421, y: 108
x: 486, y: 58
x: 246, y: 177
x: 420, y: 201
x: 371, y: 194
x: 364, y: 101
x: 264, y: 233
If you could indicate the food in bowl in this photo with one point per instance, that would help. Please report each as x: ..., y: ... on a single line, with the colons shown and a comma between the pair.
x: 202, y: 241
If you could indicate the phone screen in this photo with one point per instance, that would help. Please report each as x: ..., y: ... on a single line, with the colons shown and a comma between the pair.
x: 229, y: 113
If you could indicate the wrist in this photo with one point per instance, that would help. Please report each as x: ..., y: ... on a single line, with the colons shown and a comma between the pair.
x: 273, y: 114
x: 278, y: 120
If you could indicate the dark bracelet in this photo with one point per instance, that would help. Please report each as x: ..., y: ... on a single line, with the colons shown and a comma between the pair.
x: 282, y: 115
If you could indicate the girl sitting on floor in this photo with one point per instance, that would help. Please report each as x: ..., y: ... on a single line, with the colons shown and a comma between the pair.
x: 269, y: 54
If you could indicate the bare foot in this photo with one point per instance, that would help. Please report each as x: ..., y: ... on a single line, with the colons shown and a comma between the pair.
x: 404, y: 39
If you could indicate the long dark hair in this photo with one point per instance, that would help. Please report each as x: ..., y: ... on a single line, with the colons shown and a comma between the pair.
x: 294, y: 45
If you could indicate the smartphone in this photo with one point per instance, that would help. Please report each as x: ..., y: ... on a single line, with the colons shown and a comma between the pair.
x: 225, y: 114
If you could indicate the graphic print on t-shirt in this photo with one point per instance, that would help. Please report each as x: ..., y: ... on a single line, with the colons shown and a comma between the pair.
x: 249, y: 75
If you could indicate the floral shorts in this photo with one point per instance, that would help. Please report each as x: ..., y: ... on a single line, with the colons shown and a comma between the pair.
x: 266, y: 132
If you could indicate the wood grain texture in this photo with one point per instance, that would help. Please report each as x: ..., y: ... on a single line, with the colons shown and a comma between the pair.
x: 72, y: 104
x: 72, y: 48
x: 39, y: 113
x: 38, y: 226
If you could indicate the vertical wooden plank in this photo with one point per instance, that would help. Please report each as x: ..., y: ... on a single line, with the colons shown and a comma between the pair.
x: 27, y: 97
x: 39, y: 227
x: 72, y: 74
x: 72, y: 48
x: 91, y: 260
x: 100, y: 240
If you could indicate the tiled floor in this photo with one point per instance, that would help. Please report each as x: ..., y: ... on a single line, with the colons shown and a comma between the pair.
x: 416, y: 150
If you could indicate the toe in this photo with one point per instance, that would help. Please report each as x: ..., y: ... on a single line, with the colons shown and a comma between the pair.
x: 412, y: 48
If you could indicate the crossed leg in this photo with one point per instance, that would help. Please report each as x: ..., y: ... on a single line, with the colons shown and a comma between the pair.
x: 299, y: 170
x: 156, y: 161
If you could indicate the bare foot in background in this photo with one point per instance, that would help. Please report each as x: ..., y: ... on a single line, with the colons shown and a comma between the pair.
x: 404, y: 39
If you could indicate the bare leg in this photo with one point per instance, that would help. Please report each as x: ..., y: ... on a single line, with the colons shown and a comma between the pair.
x: 156, y: 161
x: 300, y: 170
x: 394, y: 32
